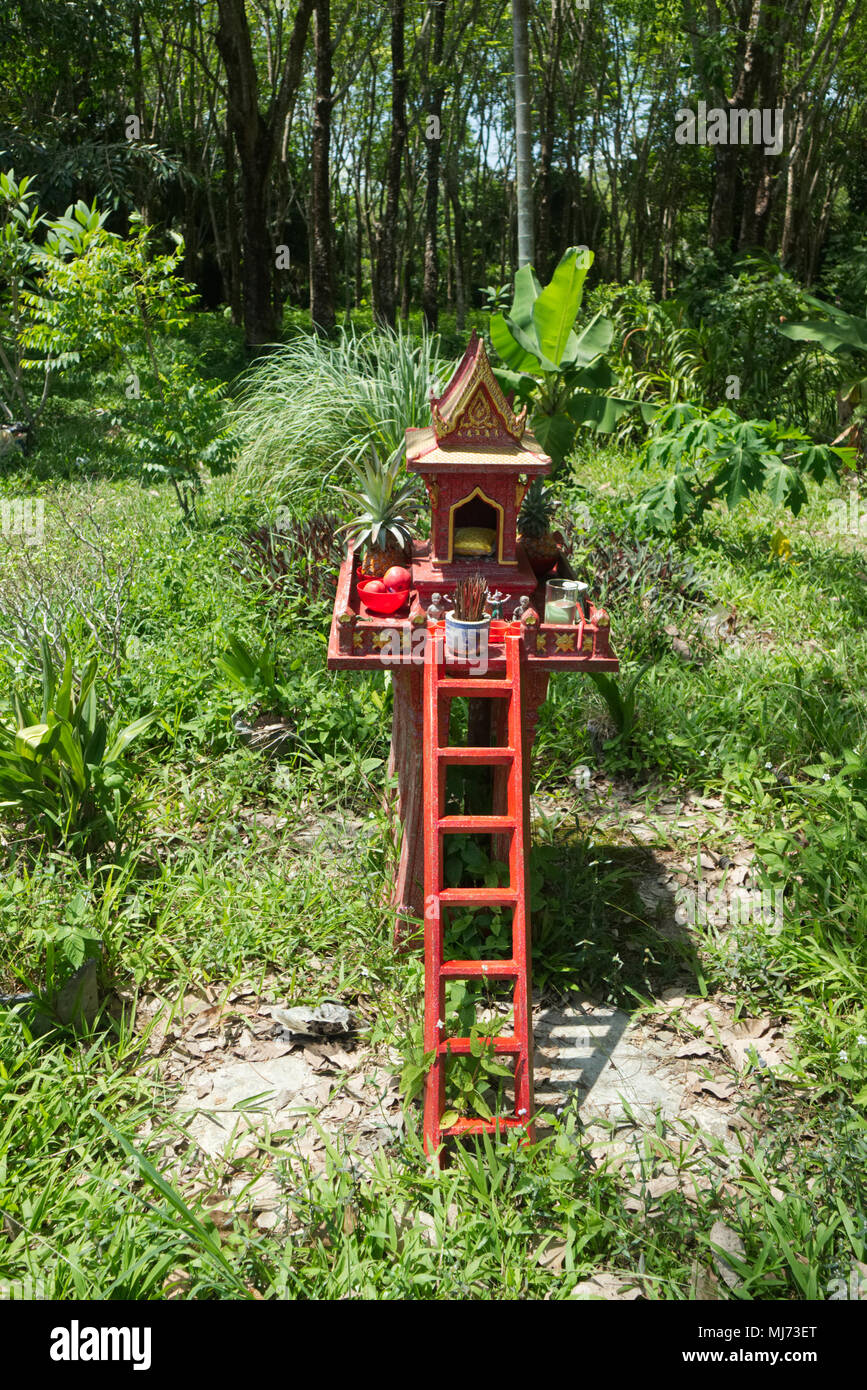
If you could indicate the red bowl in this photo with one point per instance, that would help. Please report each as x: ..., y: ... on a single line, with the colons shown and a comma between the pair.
x: 382, y: 603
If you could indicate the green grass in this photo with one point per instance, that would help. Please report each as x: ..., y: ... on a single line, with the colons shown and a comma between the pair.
x: 310, y: 406
x: 213, y: 894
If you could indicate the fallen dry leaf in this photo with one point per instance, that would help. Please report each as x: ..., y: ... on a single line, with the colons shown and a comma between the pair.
x: 551, y: 1254
x: 750, y: 1027
x: 610, y: 1287
x: 728, y: 1242
x: 704, y: 1284
x: 721, y: 1089
x: 203, y: 1022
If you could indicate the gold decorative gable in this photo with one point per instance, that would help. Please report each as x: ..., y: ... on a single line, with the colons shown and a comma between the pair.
x: 472, y: 409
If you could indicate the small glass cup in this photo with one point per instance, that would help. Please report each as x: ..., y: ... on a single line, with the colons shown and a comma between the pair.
x: 560, y: 601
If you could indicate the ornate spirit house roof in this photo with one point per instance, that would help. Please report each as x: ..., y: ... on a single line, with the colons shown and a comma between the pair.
x: 472, y: 409
x: 474, y: 425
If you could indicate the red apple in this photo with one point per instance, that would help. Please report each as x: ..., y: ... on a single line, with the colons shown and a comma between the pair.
x: 397, y: 578
x: 374, y: 586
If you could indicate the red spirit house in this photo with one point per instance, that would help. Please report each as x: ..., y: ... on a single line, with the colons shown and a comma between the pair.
x: 476, y: 460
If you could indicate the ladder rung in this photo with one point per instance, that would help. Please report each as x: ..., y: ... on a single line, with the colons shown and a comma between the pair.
x: 478, y: 897
x: 473, y: 687
x: 483, y: 969
x: 483, y: 1126
x: 461, y: 1046
x: 492, y: 756
x: 478, y: 825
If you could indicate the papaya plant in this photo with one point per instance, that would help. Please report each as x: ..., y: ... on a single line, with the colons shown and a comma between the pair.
x: 718, y: 456
x: 560, y: 372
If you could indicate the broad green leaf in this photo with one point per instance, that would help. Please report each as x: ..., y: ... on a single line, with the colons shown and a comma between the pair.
x: 555, y: 433
x: 527, y: 291
x: 63, y: 696
x: 743, y: 469
x: 517, y: 355
x: 47, y: 676
x: 597, y: 377
x: 784, y: 485
x: 517, y: 382
x: 591, y: 341
x: 601, y: 412
x: 71, y: 749
x: 34, y: 736
x: 128, y: 735
x: 557, y: 305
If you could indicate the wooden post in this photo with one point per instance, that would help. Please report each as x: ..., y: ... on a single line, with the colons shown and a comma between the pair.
x: 405, y: 761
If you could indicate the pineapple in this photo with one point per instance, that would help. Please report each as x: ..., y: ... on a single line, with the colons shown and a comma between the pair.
x: 539, y: 541
x: 381, y: 525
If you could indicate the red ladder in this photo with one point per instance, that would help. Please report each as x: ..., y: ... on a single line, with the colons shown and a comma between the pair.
x: 511, y: 829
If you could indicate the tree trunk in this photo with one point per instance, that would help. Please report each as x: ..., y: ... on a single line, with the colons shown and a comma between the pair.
x: 387, y: 234
x: 430, y: 287
x: 523, y: 136
x: 546, y: 143
x: 233, y: 240
x: 458, y: 218
x: 321, y: 240
x: 256, y: 139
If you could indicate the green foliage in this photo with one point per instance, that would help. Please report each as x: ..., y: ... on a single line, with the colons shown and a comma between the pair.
x: 537, y: 510
x: 838, y: 332
x: 81, y: 295
x: 561, y: 372
x: 20, y: 221
x: 619, y: 696
x: 64, y: 772
x: 88, y: 296
x: 182, y: 429
x: 382, y: 500
x: 98, y: 294
x: 657, y: 353
x: 252, y: 669
x: 719, y: 456
x: 309, y: 409
x: 736, y: 309
x: 474, y: 1082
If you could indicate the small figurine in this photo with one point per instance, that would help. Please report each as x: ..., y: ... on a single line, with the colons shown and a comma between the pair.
x: 520, y: 608
x: 434, y: 610
x: 495, y: 601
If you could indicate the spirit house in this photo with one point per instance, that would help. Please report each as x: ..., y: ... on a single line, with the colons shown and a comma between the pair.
x: 476, y: 461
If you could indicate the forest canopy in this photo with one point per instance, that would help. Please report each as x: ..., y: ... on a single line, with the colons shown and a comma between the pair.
x: 342, y: 155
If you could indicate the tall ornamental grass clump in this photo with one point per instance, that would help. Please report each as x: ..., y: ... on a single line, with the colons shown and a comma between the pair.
x: 311, y: 408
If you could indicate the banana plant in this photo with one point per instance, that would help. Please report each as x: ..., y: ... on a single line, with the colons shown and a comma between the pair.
x: 65, y: 771
x: 838, y: 332
x: 560, y: 372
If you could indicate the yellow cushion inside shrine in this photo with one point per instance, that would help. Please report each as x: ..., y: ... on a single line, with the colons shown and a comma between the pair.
x: 475, y: 540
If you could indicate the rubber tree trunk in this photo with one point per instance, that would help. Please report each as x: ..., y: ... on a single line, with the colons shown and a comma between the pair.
x: 430, y: 286
x: 387, y: 238
x: 256, y: 141
x: 321, y: 241
x: 523, y: 135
